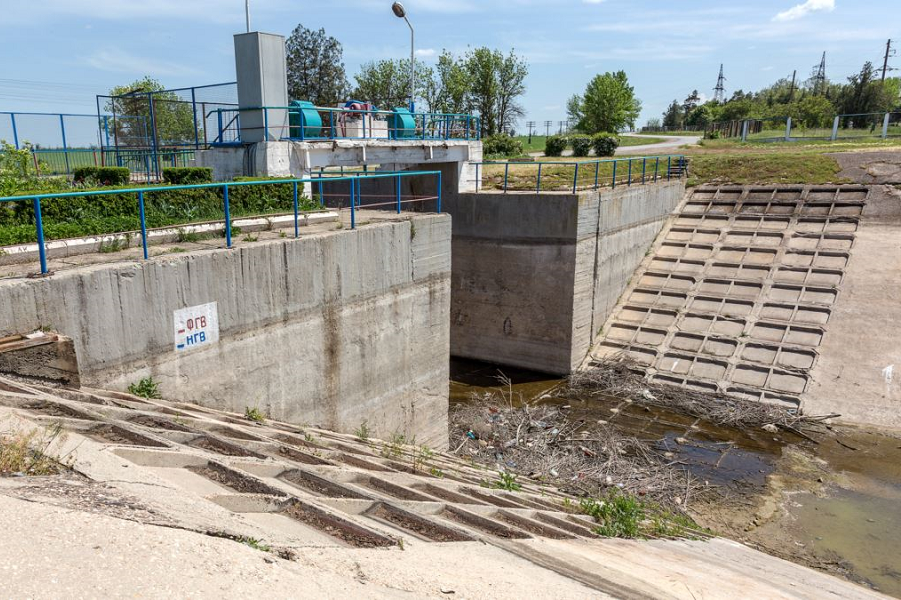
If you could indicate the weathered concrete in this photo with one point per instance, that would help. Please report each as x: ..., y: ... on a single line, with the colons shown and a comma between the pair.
x: 40, y: 356
x: 534, y: 275
x: 858, y: 372
x: 334, y: 328
x: 303, y: 159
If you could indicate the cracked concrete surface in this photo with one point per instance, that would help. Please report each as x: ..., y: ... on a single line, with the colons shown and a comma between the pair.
x: 158, y: 486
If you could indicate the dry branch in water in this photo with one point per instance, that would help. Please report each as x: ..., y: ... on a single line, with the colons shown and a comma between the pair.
x: 622, y: 378
x: 586, y: 459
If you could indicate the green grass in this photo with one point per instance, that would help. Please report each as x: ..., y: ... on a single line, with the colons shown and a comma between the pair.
x: 254, y: 414
x: 773, y: 168
x: 622, y: 515
x: 537, y: 144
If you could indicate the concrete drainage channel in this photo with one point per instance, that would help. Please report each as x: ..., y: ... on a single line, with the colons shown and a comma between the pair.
x: 736, y: 294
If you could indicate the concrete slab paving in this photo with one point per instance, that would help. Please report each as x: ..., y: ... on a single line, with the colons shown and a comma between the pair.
x: 148, y: 512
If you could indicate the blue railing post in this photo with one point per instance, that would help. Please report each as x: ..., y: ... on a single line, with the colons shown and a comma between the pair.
x: 62, y: 128
x: 12, y: 117
x: 656, y: 168
x: 506, y: 175
x: 614, y: 172
x: 143, y: 224
x: 644, y: 165
x: 39, y: 226
x: 397, y: 191
x: 194, y: 112
x: 353, y: 220
x: 629, y: 180
x: 439, y: 191
x: 228, y: 220
x: 668, y: 166
x: 296, y: 226
x: 538, y: 184
x: 597, y: 169
x: 219, y: 122
x: 265, y: 124
x: 575, y: 178
x: 321, y: 191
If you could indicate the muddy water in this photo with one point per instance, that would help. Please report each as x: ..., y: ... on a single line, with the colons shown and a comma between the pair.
x: 854, y: 519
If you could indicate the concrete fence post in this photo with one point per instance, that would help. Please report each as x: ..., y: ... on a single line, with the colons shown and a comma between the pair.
x: 788, y: 129
x: 835, y: 129
x: 885, y: 125
x: 744, y: 130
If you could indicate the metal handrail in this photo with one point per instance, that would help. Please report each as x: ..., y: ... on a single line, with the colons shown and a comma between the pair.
x: 677, y: 159
x: 355, y: 195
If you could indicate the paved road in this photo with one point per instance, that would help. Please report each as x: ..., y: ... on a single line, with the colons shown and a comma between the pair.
x: 670, y: 145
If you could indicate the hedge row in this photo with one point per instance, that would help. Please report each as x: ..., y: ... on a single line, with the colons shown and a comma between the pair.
x: 117, y: 212
x: 603, y: 144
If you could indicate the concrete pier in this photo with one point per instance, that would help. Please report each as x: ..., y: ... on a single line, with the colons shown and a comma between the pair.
x: 536, y: 275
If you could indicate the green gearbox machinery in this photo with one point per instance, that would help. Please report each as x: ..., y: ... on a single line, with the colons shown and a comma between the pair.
x: 304, y: 120
x: 403, y: 124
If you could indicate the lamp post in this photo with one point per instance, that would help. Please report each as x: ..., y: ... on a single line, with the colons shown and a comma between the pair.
x: 247, y: 14
x: 401, y: 13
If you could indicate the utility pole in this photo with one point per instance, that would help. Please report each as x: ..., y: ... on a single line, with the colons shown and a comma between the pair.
x: 719, y: 92
x: 530, y: 125
x: 547, y: 128
x: 819, y: 84
x: 791, y: 92
x: 888, y: 52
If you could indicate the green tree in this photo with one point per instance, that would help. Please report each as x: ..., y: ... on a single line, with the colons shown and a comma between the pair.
x: 315, y: 67
x: 690, y: 103
x: 511, y: 76
x: 386, y: 83
x: 672, y: 116
x: 482, y: 67
x: 701, y: 117
x: 608, y: 105
x: 171, y: 121
x: 453, y: 84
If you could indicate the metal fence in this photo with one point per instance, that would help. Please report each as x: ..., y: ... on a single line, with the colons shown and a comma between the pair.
x: 786, y: 129
x: 545, y: 176
x: 353, y: 193
x: 311, y: 123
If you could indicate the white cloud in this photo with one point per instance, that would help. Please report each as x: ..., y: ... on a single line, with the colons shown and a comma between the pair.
x: 800, y: 10
x: 426, y: 52
x: 592, y: 1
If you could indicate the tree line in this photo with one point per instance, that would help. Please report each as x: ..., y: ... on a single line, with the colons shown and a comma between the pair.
x: 812, y: 103
x: 483, y: 81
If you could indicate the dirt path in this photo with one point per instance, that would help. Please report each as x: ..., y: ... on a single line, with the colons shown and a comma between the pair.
x: 670, y: 143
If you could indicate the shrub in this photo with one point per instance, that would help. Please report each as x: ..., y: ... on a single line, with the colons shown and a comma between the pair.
x: 555, y: 145
x: 146, y: 388
x: 581, y: 144
x: 604, y: 144
x: 712, y: 135
x: 187, y: 175
x: 102, y: 175
x: 501, y: 145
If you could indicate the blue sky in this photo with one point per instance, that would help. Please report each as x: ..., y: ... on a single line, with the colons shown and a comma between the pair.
x: 57, y: 54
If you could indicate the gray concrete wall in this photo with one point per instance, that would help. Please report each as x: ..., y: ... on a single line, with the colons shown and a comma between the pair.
x: 331, y: 329
x: 534, y: 275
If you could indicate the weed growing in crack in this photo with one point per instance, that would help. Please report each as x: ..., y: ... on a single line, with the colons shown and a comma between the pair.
x: 28, y: 452
x: 254, y: 414
x: 145, y: 388
x: 504, y: 481
x: 362, y: 432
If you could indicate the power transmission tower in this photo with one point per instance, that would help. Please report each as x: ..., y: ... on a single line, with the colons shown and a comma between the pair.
x: 889, y: 51
x: 819, y: 80
x: 719, y: 92
x: 531, y: 126
x: 791, y: 92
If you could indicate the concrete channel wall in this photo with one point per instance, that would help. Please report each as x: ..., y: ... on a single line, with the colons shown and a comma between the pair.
x: 536, y: 275
x: 333, y: 329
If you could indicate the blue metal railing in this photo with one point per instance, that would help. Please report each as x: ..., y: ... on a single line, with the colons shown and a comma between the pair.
x: 344, y: 124
x: 355, y: 196
x: 595, y: 174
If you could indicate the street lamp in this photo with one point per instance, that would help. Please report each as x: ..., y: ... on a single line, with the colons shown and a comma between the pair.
x: 247, y: 13
x: 401, y: 13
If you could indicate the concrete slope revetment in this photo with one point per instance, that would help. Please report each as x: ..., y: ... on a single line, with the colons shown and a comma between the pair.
x: 777, y: 293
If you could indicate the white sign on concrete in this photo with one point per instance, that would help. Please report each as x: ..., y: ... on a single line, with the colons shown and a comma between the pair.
x: 196, y: 326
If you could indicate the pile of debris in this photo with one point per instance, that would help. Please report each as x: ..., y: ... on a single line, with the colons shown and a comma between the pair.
x: 540, y: 441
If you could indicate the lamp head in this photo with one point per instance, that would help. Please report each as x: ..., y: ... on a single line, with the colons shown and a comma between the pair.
x: 399, y: 10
